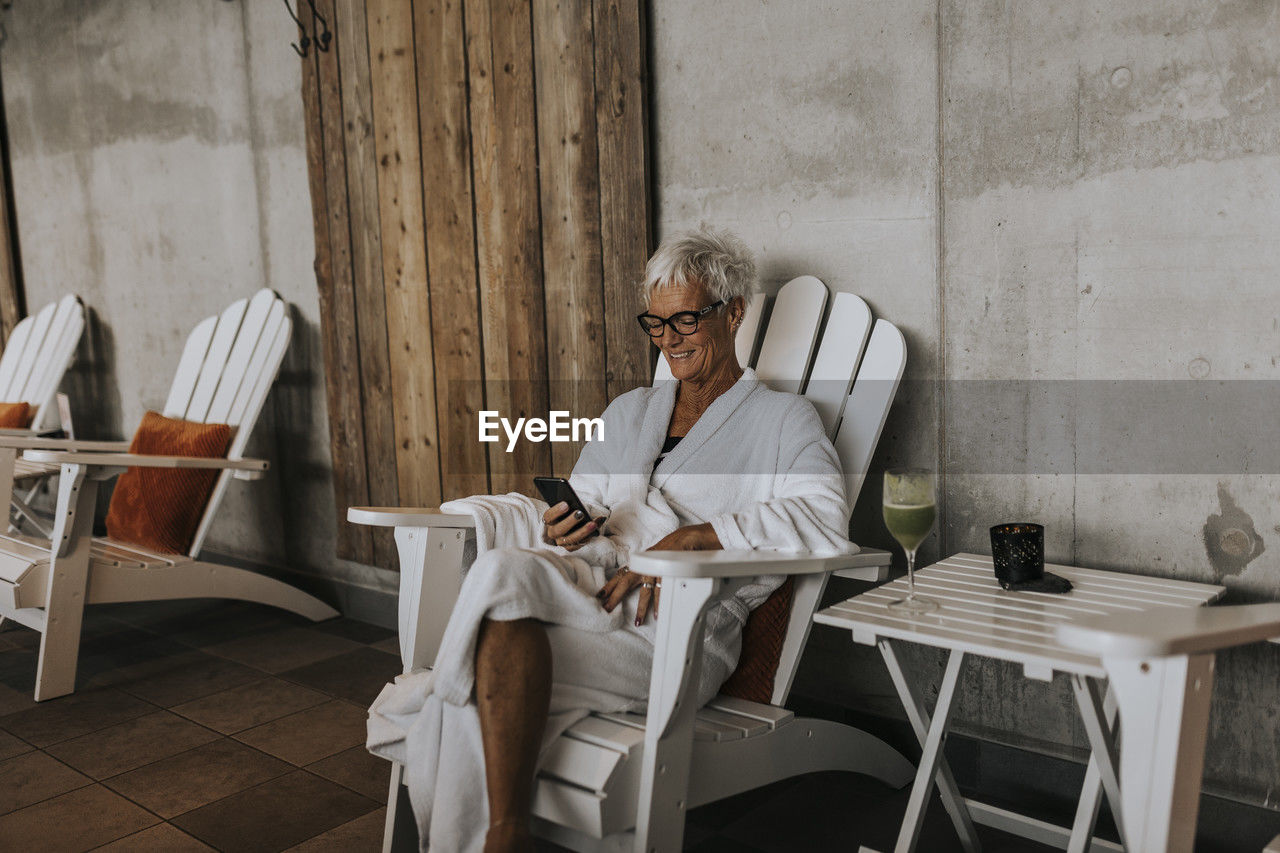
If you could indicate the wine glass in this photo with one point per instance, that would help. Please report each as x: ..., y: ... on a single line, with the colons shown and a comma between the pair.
x: 910, y: 508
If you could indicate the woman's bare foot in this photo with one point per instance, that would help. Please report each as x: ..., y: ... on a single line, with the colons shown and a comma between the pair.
x: 509, y: 836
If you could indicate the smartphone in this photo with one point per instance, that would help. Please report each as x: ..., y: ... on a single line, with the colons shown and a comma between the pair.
x: 557, y: 489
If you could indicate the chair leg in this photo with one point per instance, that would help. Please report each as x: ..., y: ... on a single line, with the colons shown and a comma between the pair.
x: 67, y: 586
x: 203, y: 580
x: 1164, y: 715
x: 401, y: 829
x: 8, y: 460
x: 22, y: 511
x: 430, y: 576
x: 668, y: 738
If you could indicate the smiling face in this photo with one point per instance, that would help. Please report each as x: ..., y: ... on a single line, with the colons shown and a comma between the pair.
x: 709, y: 351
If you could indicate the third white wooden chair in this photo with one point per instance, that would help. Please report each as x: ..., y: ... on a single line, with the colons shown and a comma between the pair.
x: 622, y: 781
x: 227, y: 367
x: 36, y: 357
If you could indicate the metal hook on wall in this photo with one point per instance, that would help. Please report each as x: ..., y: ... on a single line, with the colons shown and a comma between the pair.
x: 300, y: 49
x: 322, y: 38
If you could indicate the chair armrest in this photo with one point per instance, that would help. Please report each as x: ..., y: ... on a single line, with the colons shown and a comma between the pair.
x: 20, y: 432
x: 30, y: 442
x: 252, y: 468
x: 738, y: 564
x: 1167, y: 631
x: 390, y: 516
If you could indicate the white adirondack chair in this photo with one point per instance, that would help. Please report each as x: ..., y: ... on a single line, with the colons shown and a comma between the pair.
x: 35, y: 359
x: 1160, y: 667
x: 618, y: 781
x: 227, y: 367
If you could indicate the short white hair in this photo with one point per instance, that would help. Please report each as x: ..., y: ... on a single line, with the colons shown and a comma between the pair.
x: 719, y: 260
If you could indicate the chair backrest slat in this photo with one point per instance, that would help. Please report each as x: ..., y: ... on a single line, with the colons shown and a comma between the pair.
x: 261, y: 375
x: 251, y: 365
x: 235, y: 374
x: 37, y: 356
x: 30, y: 350
x: 13, y: 352
x: 215, y: 360
x: 830, y: 380
x: 184, y: 379
x: 789, y: 341
x: 857, y: 434
x: 53, y: 359
x: 254, y: 401
x: 749, y: 331
x: 868, y: 405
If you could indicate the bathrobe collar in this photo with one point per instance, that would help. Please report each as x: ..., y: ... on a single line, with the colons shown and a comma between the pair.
x: 658, y: 418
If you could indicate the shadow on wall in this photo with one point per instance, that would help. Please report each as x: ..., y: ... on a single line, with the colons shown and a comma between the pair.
x: 91, y: 385
x: 297, y: 407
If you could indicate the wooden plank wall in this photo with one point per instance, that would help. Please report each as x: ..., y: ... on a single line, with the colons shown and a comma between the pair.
x: 11, y: 295
x: 479, y: 183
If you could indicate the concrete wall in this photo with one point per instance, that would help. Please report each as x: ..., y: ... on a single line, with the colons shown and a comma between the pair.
x: 1042, y: 194
x: 159, y: 171
x: 1108, y: 209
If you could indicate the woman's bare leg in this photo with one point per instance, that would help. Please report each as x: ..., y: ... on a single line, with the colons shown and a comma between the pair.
x: 513, y: 693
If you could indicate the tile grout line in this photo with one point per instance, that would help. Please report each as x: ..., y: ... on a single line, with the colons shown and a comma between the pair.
x: 149, y: 706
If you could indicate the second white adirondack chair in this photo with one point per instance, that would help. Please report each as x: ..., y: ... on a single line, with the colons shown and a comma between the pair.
x: 623, y: 781
x: 35, y: 359
x: 1160, y: 667
x: 227, y: 367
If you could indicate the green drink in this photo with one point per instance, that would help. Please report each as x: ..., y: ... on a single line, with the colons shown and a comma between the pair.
x: 910, y: 506
x: 909, y: 523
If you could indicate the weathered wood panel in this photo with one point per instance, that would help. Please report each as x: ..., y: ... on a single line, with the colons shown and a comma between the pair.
x: 570, y: 197
x: 446, y: 186
x: 11, y: 295
x: 480, y: 187
x: 346, y: 427
x: 404, y: 262
x: 625, y: 216
x: 508, y: 244
x: 351, y: 48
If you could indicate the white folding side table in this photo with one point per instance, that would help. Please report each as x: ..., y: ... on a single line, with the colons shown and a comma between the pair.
x: 977, y: 617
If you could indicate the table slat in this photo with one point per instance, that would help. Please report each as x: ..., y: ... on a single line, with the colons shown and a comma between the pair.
x: 1103, y: 576
x: 1086, y: 588
x: 978, y: 617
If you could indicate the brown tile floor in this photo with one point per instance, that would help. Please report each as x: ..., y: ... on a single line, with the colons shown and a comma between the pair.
x: 214, y: 725
x: 196, y: 725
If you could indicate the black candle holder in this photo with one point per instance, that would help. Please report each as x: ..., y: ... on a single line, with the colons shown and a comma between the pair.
x: 1017, y: 550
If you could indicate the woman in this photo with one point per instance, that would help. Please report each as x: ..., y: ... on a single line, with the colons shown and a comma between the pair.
x: 550, y: 623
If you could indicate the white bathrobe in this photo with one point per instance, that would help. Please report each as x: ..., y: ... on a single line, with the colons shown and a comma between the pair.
x: 757, y: 466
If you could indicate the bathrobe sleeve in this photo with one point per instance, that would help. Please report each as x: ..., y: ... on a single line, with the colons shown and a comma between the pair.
x: 808, y: 510
x: 599, y: 458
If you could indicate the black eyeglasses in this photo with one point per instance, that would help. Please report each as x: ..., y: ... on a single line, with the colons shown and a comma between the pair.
x: 682, y: 322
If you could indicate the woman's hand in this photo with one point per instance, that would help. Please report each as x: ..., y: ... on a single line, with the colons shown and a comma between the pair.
x: 566, y: 529
x: 621, y: 584
x: 696, y: 537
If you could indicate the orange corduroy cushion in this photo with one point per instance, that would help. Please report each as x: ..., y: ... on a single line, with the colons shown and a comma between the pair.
x: 762, y: 639
x: 15, y: 415
x: 160, y: 508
